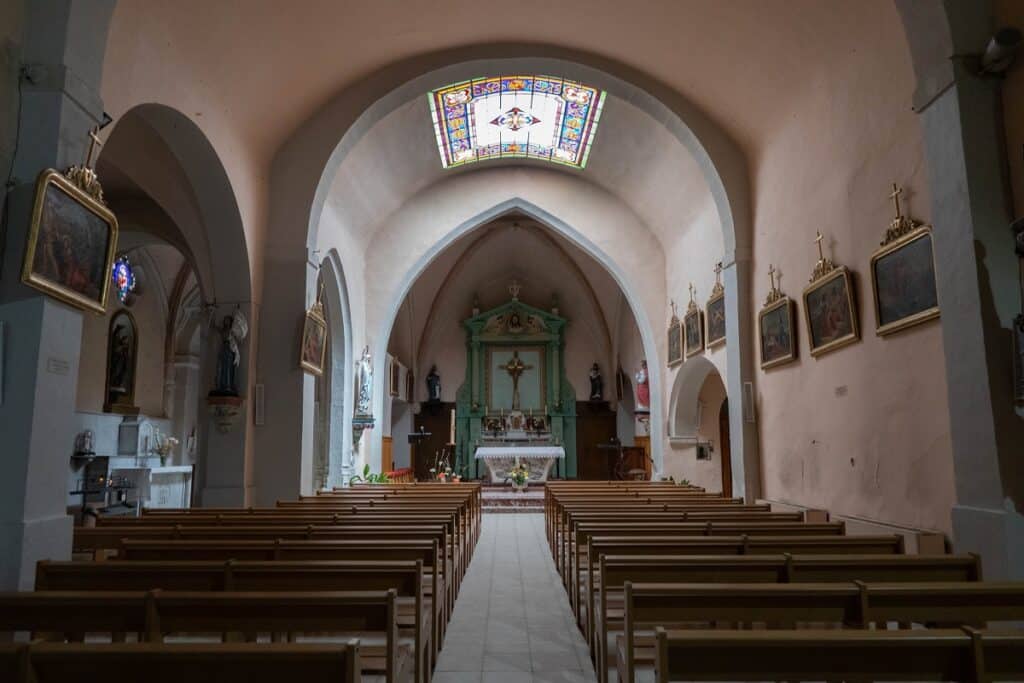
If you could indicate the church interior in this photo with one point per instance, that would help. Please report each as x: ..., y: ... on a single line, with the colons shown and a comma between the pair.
x: 675, y: 340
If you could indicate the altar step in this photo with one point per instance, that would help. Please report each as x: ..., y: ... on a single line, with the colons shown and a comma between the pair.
x: 503, y: 499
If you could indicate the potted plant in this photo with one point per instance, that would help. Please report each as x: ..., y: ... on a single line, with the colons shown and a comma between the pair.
x: 519, y: 476
x: 368, y: 477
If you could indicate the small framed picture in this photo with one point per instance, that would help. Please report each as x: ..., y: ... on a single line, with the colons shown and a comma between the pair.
x: 831, y: 312
x: 715, y: 317
x: 903, y: 282
x: 675, y: 342
x: 693, y: 329
x: 776, y: 329
x: 395, y: 378
x: 314, y: 341
x: 71, y: 242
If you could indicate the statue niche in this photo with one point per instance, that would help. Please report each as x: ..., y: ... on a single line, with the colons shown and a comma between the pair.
x: 122, y: 361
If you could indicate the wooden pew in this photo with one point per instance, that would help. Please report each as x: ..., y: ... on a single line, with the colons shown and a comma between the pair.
x: 852, y: 605
x: 813, y: 655
x: 426, y: 551
x: 153, y: 614
x: 173, y: 663
x: 404, y: 577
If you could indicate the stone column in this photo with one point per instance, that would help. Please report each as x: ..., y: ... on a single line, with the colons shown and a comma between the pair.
x: 60, y: 54
x: 976, y: 271
x: 741, y: 368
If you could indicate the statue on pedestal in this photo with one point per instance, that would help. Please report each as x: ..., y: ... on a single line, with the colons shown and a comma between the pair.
x: 643, y: 388
x: 596, y: 384
x: 233, y: 330
x: 433, y: 385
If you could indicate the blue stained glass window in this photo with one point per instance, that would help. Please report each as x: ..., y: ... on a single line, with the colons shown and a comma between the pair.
x: 124, y: 278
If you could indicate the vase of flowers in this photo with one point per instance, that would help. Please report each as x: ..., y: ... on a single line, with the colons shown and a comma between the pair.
x: 519, y: 476
x: 163, y: 445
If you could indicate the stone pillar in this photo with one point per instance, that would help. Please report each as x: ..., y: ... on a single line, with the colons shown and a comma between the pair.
x: 60, y: 52
x: 741, y: 368
x: 976, y: 271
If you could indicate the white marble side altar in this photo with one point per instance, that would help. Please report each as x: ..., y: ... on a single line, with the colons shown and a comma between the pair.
x: 159, y: 487
x: 538, y: 459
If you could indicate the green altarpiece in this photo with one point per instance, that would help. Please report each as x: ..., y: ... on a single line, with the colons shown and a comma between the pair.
x: 518, y: 333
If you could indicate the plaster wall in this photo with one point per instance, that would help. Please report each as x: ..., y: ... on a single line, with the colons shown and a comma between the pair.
x: 864, y: 430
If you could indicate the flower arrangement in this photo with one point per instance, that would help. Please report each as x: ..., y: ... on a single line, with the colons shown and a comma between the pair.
x: 163, y: 445
x: 442, y: 469
x: 368, y: 477
x: 518, y: 475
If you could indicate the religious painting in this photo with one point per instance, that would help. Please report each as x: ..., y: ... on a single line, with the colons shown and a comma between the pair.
x: 715, y: 318
x: 394, y: 378
x: 830, y: 311
x: 776, y: 329
x: 122, y: 358
x: 675, y: 342
x: 693, y: 329
x: 71, y: 243
x: 903, y: 282
x: 314, y: 341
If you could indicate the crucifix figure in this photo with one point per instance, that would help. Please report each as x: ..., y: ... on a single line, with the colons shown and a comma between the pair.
x: 821, y: 254
x: 718, y: 273
x: 693, y: 291
x: 515, y: 369
x: 771, y: 275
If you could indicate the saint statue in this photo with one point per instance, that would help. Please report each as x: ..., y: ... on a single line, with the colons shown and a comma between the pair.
x: 643, y: 388
x: 433, y: 385
x: 233, y: 331
x: 596, y: 384
x: 365, y: 387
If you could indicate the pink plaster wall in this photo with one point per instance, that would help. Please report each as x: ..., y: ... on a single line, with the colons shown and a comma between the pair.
x: 863, y: 431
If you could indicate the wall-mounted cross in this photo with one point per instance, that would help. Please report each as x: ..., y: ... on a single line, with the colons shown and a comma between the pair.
x: 718, y: 273
x: 895, y: 197
x: 94, y: 142
x: 771, y: 275
x: 672, y: 303
x: 693, y: 291
x: 818, y: 239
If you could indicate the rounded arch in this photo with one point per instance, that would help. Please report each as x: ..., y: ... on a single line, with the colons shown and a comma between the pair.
x: 162, y: 171
x: 517, y: 204
x: 339, y: 318
x: 683, y: 420
x: 356, y: 110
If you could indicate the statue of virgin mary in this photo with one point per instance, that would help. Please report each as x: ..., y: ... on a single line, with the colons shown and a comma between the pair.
x: 364, y: 386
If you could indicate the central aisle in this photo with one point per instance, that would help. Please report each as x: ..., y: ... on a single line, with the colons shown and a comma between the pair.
x: 512, y: 621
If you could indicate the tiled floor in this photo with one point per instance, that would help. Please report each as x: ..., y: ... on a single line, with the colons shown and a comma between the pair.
x: 512, y: 622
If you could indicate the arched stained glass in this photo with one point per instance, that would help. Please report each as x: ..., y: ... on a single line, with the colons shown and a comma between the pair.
x: 124, y: 278
x: 540, y: 117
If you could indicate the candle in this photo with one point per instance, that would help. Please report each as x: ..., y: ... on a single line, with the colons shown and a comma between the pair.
x: 451, y: 435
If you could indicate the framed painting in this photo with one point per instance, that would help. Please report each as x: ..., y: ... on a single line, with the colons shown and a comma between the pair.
x: 903, y: 282
x: 69, y: 253
x: 122, y: 361
x: 831, y: 312
x: 775, y: 327
x: 395, y: 378
x: 314, y: 341
x: 715, y: 318
x: 693, y: 331
x: 675, y: 342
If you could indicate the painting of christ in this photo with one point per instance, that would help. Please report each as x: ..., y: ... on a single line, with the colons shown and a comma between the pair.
x: 71, y: 244
x: 693, y: 328
x: 675, y: 342
x: 778, y: 338
x: 903, y: 282
x: 830, y: 312
x: 716, y: 321
x: 314, y: 342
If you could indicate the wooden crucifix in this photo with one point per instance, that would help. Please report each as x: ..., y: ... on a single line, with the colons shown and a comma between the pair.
x: 515, y: 369
x: 895, y: 197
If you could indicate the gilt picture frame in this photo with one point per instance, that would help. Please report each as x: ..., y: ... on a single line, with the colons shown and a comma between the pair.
x: 675, y: 342
x: 776, y: 330
x: 314, y: 341
x: 693, y: 331
x: 903, y: 284
x: 714, y: 316
x: 69, y: 253
x: 830, y: 311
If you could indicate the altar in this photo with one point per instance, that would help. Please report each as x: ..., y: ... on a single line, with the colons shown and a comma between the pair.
x: 537, y: 459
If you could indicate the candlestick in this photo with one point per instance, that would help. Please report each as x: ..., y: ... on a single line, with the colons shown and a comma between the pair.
x: 451, y: 434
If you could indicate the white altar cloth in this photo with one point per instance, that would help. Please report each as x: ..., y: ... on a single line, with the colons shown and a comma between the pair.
x: 500, y: 459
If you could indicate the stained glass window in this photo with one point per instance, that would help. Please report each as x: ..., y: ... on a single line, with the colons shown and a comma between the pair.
x: 540, y: 117
x: 124, y: 278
